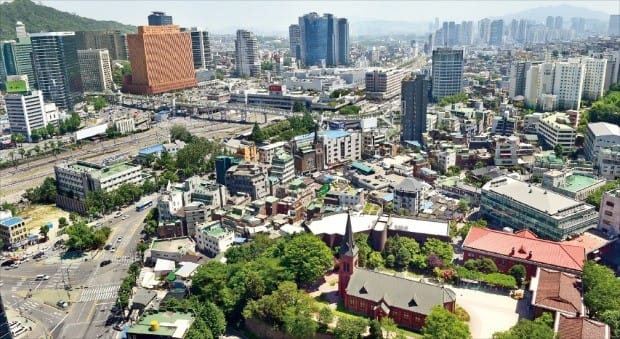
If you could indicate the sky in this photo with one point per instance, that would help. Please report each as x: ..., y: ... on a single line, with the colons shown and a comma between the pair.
x: 276, y: 16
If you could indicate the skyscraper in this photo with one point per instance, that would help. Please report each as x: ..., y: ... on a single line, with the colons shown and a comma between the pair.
x: 26, y: 112
x: 201, y: 48
x: 294, y: 37
x: 322, y: 40
x: 54, y: 55
x: 414, y: 98
x: 159, y: 19
x: 343, y: 41
x: 594, y: 78
x: 550, y: 22
x: 559, y: 23
x: 496, y: 35
x: 161, y: 60
x: 16, y: 56
x: 484, y: 28
x: 518, y: 72
x: 568, y: 83
x: 447, y: 72
x: 95, y: 70
x: 114, y: 41
x: 614, y: 25
x: 247, y: 63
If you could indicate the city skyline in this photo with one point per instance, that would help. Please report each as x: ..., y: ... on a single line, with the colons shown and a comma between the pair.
x: 281, y: 14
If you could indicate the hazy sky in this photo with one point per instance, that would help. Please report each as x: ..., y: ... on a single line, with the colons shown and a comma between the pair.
x: 222, y: 16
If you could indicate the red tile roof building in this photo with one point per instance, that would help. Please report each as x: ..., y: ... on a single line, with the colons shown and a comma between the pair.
x: 508, y: 249
x: 554, y: 291
x: 580, y: 328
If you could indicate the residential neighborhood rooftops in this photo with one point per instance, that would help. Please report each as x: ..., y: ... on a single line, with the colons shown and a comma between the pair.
x: 524, y: 245
x: 163, y: 324
x: 557, y: 291
x: 580, y: 327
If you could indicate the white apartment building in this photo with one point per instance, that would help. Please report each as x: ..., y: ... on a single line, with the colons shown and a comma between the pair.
x: 50, y: 113
x: 608, y: 162
x: 568, y: 83
x: 506, y: 151
x: 169, y: 203
x: 446, y: 159
x: 383, y: 85
x: 95, y: 70
x: 408, y: 195
x: 267, y: 152
x: 283, y: 167
x: 26, y: 112
x: 555, y: 128
x: 341, y: 146
x: 212, y: 238
x: 594, y: 79
x: 126, y: 125
x: 247, y: 61
x: 609, y: 219
x: 599, y: 135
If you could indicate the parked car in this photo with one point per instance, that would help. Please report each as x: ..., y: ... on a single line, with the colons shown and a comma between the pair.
x: 105, y: 263
x: 62, y: 303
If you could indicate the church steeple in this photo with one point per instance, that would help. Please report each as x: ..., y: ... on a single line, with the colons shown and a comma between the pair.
x: 348, y: 246
x: 348, y: 258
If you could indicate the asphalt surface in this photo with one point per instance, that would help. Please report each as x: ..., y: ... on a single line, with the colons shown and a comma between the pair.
x: 93, y: 288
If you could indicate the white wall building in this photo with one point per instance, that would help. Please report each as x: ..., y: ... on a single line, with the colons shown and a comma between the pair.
x: 598, y: 135
x: 126, y: 125
x: 506, y: 151
x: 212, y: 238
x: 594, y: 78
x: 556, y: 129
x: 446, y: 159
x: 568, y: 83
x: 341, y: 146
x: 608, y: 162
x: 383, y: 85
x: 247, y: 61
x: 25, y: 112
x: 609, y: 219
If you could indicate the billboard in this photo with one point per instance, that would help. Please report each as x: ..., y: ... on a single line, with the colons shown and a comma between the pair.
x: 90, y: 131
x: 16, y: 86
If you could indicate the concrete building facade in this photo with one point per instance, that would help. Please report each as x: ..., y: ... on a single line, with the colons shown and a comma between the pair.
x: 447, y: 72
x: 95, y: 70
x: 609, y: 221
x: 383, y: 85
x: 414, y: 100
x: 26, y: 112
x: 247, y: 63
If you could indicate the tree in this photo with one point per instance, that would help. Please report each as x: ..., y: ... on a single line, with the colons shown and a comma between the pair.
x: 326, y: 316
x: 62, y: 222
x: 612, y: 318
x: 540, y: 328
x: 307, y: 257
x: 18, y: 138
x: 403, y: 257
x: 180, y: 132
x: 364, y: 249
x: 601, y: 289
x: 100, y: 103
x: 479, y: 164
x: 518, y: 272
x: 257, y: 135
x: 43, y: 230
x: 559, y: 150
x: 375, y: 260
x: 375, y: 330
x: 442, y: 249
x: 350, y: 328
x: 463, y: 206
x: 442, y: 324
x: 44, y: 194
x: 453, y: 171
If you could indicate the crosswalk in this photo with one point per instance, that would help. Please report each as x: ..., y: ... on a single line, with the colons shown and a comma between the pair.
x: 29, y: 305
x: 102, y: 292
x: 120, y: 259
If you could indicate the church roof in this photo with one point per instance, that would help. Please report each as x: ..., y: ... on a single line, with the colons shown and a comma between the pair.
x: 348, y: 247
x: 406, y: 294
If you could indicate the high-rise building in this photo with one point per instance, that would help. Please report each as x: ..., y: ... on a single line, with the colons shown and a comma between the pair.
x: 114, y: 41
x: 518, y: 75
x: 201, y: 48
x: 558, y: 23
x: 594, y: 78
x: 247, y: 63
x: 614, y: 25
x: 26, y: 112
x: 159, y: 19
x: 568, y: 83
x: 466, y: 33
x: 447, y: 72
x: 16, y: 56
x: 322, y: 40
x: 496, y: 35
x: 414, y: 98
x: 343, y: 41
x: 383, y: 85
x: 294, y: 37
x: 5, y: 330
x: 550, y: 22
x: 161, y: 60
x: 96, y: 70
x: 54, y: 55
x: 484, y: 29
x: 20, y: 31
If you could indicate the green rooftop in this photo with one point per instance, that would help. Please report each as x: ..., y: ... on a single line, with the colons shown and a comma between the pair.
x: 365, y: 169
x: 213, y: 231
x: 163, y: 325
x: 577, y: 182
x: 112, y: 170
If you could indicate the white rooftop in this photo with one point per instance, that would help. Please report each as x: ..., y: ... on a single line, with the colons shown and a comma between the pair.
x: 440, y: 228
x: 163, y: 265
x: 604, y: 128
x: 336, y: 223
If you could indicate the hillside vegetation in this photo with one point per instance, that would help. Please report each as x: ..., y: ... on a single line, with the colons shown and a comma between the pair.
x: 39, y: 18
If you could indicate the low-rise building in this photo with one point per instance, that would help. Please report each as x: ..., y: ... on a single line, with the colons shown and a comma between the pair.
x: 446, y: 159
x: 13, y: 233
x: 555, y: 129
x: 170, y: 249
x: 408, y: 194
x: 75, y: 180
x: 161, y: 325
x: 556, y: 292
x: 509, y: 202
x: 267, y: 152
x: 609, y: 220
x: 575, y: 185
x: 212, y: 238
x: 608, y: 162
x: 506, y: 151
x: 125, y: 125
x: 249, y: 178
x: 600, y: 135
x: 383, y: 85
x: 522, y: 248
x: 283, y: 167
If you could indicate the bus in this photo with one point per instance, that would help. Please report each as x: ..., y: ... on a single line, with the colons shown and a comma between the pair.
x: 143, y: 204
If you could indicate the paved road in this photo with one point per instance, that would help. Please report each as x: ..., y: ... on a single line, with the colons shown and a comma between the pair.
x: 94, y: 288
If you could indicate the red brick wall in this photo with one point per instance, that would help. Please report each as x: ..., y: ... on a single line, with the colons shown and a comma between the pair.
x: 503, y: 265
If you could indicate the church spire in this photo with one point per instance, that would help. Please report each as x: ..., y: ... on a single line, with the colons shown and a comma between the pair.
x: 348, y: 247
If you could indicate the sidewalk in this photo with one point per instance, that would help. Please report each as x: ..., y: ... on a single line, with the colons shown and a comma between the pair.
x: 34, y: 330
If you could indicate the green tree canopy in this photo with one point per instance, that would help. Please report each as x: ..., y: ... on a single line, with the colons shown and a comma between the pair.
x: 442, y: 324
x: 180, y: 132
x: 601, y: 289
x: 43, y: 194
x: 540, y: 328
x: 350, y: 328
x: 307, y: 257
x: 257, y: 134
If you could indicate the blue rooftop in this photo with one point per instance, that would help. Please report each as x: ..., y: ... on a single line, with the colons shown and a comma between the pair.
x: 157, y: 148
x: 8, y: 222
x: 333, y: 134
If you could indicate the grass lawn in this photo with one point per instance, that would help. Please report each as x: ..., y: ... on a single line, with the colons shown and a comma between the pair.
x: 371, y: 209
x: 39, y: 215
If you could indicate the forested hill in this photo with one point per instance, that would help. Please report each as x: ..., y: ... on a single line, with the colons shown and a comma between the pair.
x: 39, y: 18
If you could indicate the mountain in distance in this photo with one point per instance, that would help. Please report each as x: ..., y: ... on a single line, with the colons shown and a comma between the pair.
x: 563, y: 10
x: 385, y: 27
x: 39, y: 18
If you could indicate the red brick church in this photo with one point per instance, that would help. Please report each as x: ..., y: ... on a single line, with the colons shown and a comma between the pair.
x: 379, y: 295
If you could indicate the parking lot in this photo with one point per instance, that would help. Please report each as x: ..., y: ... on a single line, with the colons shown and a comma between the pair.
x: 490, y: 312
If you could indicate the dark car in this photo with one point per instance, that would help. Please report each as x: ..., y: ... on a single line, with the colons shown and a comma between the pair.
x: 107, y: 247
x: 105, y: 262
